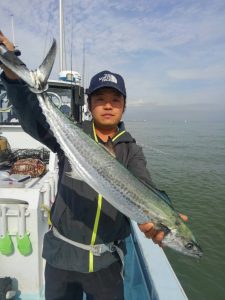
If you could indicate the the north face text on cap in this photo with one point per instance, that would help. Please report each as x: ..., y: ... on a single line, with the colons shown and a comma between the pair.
x: 108, y: 77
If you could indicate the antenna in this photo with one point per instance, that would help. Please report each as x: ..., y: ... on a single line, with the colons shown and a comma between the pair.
x: 83, y: 71
x: 61, y: 35
x: 16, y: 51
x: 13, y: 35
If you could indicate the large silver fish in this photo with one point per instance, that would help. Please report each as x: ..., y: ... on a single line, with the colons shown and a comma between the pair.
x: 95, y: 166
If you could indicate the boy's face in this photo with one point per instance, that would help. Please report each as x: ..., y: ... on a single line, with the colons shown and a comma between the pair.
x: 107, y: 107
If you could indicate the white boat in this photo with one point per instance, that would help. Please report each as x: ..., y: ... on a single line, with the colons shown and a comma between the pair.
x: 24, y: 210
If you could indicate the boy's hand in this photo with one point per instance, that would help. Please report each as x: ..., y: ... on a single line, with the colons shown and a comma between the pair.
x: 3, y: 40
x: 9, y: 45
x: 151, y: 233
x: 156, y: 235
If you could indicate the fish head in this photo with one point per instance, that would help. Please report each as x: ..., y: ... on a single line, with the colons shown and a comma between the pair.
x: 182, y: 240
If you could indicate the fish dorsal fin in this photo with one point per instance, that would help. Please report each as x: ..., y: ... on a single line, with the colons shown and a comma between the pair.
x: 162, y: 194
x: 109, y: 147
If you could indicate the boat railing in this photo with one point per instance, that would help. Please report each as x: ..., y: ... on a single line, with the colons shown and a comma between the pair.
x: 153, y: 276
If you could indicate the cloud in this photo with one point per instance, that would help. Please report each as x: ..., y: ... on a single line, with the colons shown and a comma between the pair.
x: 211, y: 72
x: 168, y: 51
x: 141, y: 103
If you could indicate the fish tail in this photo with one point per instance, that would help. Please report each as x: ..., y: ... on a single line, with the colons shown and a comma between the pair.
x: 36, y: 80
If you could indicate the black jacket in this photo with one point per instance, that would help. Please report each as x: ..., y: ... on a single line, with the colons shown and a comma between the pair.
x: 75, y: 206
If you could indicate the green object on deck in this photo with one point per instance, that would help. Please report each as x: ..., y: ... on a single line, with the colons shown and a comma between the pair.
x: 24, y: 244
x: 6, y: 245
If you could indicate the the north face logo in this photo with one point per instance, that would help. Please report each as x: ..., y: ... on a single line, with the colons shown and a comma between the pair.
x: 108, y: 77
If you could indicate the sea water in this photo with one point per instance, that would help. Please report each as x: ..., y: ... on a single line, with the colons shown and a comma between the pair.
x: 187, y: 160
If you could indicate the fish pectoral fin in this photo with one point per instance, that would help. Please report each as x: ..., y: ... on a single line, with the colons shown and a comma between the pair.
x: 163, y: 228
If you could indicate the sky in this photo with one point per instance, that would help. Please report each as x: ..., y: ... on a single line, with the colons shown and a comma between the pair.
x: 171, y: 53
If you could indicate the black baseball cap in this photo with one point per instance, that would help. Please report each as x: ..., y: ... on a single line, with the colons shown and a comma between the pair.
x: 107, y: 79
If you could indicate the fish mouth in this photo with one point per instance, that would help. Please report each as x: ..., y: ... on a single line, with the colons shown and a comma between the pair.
x: 198, y: 253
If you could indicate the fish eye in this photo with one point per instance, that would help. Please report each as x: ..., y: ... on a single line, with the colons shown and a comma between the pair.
x: 189, y: 246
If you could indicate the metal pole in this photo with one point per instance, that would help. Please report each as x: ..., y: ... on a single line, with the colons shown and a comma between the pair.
x: 13, y: 35
x: 61, y: 43
x: 83, y: 75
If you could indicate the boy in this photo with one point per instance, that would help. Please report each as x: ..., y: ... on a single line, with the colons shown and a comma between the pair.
x: 79, y: 215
